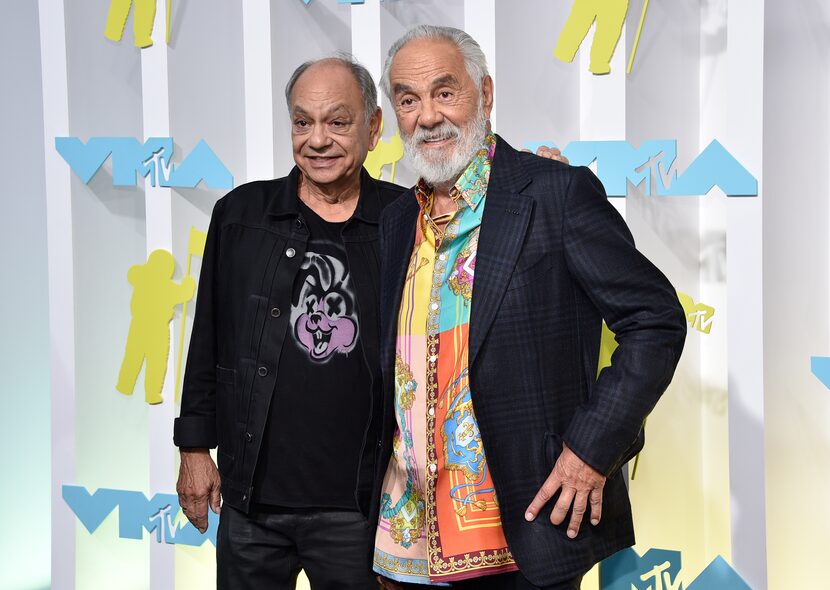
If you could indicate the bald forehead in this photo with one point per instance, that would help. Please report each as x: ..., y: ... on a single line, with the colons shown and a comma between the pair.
x: 328, y: 72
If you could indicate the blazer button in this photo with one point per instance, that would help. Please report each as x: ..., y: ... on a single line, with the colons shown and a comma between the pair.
x: 262, y: 371
x: 249, y: 437
x: 275, y: 312
x: 290, y: 252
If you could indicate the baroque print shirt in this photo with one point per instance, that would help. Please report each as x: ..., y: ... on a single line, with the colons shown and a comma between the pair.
x: 439, y: 516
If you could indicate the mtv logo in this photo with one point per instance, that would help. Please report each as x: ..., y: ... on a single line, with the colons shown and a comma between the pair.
x: 698, y: 315
x: 657, y: 569
x: 159, y: 515
x: 719, y: 575
x: 653, y: 166
x: 150, y: 159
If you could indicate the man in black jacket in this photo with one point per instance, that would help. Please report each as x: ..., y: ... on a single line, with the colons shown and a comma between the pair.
x: 282, y: 372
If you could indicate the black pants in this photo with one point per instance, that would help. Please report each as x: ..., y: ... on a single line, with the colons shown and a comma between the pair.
x: 267, y: 549
x: 511, y: 581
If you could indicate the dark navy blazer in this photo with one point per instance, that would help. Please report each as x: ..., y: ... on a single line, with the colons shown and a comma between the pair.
x: 554, y: 259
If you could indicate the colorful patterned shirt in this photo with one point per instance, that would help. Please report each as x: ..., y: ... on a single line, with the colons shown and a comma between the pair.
x: 439, y: 516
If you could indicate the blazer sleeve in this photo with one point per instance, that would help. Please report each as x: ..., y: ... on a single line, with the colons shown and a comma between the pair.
x: 196, y: 425
x: 638, y: 304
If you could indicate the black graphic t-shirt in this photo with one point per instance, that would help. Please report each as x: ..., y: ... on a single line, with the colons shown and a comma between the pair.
x: 318, y: 415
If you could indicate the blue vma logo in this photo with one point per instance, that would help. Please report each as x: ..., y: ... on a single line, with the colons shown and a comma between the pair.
x: 136, y: 514
x: 653, y: 165
x: 820, y: 366
x: 150, y: 159
x: 659, y: 569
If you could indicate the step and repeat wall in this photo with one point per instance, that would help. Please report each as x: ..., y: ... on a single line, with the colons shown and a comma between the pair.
x: 124, y: 121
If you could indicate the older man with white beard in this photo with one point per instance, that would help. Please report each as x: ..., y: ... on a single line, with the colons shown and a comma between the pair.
x: 498, y: 268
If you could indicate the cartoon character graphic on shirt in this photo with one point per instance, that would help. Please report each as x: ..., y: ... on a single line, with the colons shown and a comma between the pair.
x: 323, y: 316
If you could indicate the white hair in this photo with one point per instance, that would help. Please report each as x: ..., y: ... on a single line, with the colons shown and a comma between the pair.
x: 474, y: 58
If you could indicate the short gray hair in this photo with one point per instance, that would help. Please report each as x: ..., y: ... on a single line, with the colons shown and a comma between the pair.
x: 474, y: 58
x: 361, y: 75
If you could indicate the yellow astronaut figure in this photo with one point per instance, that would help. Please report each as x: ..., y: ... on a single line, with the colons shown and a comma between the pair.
x: 143, y: 20
x: 385, y: 153
x: 609, y: 16
x: 154, y: 298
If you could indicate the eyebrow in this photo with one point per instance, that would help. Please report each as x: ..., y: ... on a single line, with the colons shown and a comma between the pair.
x: 297, y: 110
x: 445, y: 80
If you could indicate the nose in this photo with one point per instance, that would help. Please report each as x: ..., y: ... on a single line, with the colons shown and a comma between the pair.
x: 319, y: 138
x: 429, y: 116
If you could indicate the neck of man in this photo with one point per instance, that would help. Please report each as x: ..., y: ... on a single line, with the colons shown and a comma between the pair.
x: 333, y: 202
x: 442, y: 202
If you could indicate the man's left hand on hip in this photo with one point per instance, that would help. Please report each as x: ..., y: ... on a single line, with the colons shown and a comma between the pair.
x: 580, y: 485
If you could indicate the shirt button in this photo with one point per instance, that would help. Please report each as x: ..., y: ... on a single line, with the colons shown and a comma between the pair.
x: 244, y: 497
x: 262, y: 371
x: 433, y: 467
x: 290, y: 252
x: 249, y: 437
x: 298, y: 222
x: 434, y: 306
x: 275, y: 312
x: 442, y: 257
x: 431, y: 411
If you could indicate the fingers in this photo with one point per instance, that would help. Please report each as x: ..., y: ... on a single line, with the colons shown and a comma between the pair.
x: 215, y: 498
x: 196, y: 512
x: 563, y: 504
x: 551, y: 153
x: 595, y: 498
x: 543, y: 496
x: 579, y: 507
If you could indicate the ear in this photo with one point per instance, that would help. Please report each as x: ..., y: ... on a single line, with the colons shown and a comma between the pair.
x: 487, y: 92
x: 375, y: 128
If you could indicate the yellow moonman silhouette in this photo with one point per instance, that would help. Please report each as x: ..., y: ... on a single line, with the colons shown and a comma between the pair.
x: 385, y: 153
x: 609, y: 16
x: 143, y: 20
x: 154, y: 298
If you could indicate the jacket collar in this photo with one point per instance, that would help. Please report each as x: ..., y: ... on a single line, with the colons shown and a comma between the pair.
x: 285, y: 202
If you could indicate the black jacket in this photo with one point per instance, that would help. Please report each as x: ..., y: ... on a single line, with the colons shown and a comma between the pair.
x: 554, y: 259
x: 256, y: 242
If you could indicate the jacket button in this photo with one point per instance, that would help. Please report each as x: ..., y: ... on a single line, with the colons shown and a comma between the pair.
x: 244, y: 497
x: 298, y: 222
x: 262, y: 371
x: 249, y: 437
x: 275, y: 312
x: 290, y: 252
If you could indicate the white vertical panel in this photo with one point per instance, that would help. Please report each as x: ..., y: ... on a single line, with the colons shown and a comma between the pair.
x: 158, y: 205
x: 61, y: 287
x: 366, y: 37
x: 714, y: 370
x: 480, y: 24
x: 259, y: 93
x: 745, y: 75
x: 602, y: 99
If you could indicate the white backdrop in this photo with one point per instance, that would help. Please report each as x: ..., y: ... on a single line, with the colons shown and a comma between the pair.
x: 738, y: 451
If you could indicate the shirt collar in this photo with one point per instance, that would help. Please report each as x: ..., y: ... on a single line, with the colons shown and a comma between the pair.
x: 368, y: 209
x: 471, y: 186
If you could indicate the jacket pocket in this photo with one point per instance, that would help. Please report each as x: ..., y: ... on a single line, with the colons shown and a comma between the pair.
x: 533, y: 272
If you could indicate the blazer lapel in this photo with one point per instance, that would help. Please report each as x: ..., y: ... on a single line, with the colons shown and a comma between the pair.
x: 503, y: 226
x: 398, y: 239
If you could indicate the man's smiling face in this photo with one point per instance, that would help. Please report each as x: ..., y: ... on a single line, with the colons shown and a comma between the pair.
x: 329, y: 133
x: 442, y: 113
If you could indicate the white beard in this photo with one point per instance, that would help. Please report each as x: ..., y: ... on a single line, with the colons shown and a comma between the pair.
x: 443, y: 167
